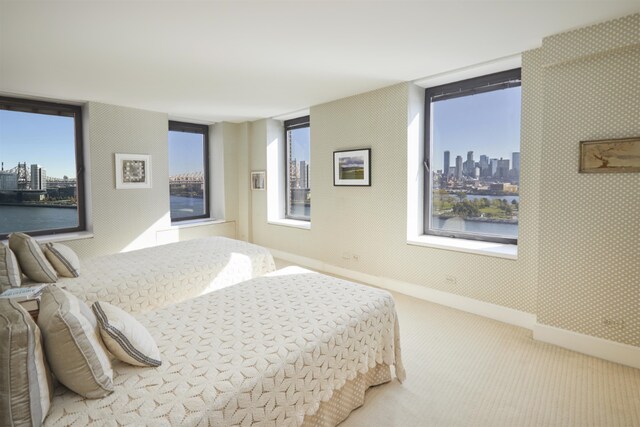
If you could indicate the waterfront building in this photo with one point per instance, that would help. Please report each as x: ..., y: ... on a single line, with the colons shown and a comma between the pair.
x: 302, y: 170
x: 458, y: 167
x: 8, y: 180
x: 493, y: 167
x: 484, y: 165
x: 38, y: 178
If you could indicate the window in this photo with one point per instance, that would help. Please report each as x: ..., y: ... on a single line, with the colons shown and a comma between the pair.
x: 298, y: 170
x: 473, y: 158
x: 188, y: 171
x: 41, y: 172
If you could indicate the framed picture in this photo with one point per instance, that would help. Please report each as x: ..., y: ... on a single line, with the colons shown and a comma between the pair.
x: 352, y: 167
x: 133, y: 171
x: 258, y: 181
x: 610, y: 155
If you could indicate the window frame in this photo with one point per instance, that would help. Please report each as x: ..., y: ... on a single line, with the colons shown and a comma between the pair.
x: 472, y: 86
x: 179, y: 126
x: 57, y: 109
x: 292, y: 124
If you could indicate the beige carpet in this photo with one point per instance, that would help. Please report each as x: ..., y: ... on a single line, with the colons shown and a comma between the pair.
x: 466, y: 370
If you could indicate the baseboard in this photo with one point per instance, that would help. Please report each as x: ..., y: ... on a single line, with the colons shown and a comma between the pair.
x: 593, y: 346
x: 470, y: 305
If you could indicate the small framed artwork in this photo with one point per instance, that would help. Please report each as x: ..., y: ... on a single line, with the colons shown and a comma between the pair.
x: 352, y: 167
x: 610, y: 155
x: 258, y: 181
x: 133, y: 171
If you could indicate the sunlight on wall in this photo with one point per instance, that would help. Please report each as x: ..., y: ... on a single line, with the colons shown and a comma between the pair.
x: 415, y: 154
x: 148, y: 237
x: 275, y: 174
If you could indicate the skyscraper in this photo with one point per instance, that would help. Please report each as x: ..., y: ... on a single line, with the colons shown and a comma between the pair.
x: 458, y: 167
x: 515, y: 158
x: 446, y: 163
x: 470, y: 165
x: 38, y: 178
x: 303, y: 174
x: 484, y: 165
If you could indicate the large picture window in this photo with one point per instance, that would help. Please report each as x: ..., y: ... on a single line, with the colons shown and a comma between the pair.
x: 188, y: 171
x: 473, y: 158
x: 41, y: 171
x: 298, y: 168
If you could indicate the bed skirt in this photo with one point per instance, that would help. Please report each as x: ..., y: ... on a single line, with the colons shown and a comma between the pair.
x: 347, y: 398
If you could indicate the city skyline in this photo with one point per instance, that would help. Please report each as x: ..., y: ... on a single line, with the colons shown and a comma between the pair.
x: 487, y: 123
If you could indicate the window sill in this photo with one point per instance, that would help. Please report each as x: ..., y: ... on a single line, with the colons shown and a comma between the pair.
x: 500, y: 250
x: 195, y: 223
x: 305, y: 225
x: 62, y: 237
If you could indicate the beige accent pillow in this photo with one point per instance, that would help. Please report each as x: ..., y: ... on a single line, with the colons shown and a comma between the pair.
x: 32, y: 261
x: 63, y: 259
x: 25, y: 381
x: 125, y: 337
x: 10, y: 274
x: 73, y: 345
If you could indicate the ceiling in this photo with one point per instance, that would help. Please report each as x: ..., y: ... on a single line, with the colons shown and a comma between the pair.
x: 243, y: 60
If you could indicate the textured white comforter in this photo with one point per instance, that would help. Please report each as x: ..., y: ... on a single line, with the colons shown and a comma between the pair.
x: 263, y: 352
x: 151, y: 278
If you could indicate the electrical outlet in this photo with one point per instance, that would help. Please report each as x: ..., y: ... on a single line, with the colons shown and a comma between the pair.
x: 612, y: 323
x: 451, y: 280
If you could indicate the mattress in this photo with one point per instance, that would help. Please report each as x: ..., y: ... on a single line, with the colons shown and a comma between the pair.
x: 270, y: 351
x: 151, y: 278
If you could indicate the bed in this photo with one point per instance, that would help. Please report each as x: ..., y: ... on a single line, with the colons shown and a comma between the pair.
x: 151, y: 278
x: 288, y: 349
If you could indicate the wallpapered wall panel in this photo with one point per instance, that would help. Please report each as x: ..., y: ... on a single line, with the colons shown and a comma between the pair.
x: 589, y: 250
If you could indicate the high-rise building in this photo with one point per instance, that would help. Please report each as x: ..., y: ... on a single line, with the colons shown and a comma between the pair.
x: 493, y: 167
x: 447, y: 163
x: 503, y: 168
x: 515, y: 158
x: 484, y: 165
x: 458, y: 167
x: 38, y: 178
x: 470, y: 165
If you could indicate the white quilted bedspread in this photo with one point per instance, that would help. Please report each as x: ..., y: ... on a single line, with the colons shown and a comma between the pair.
x: 147, y: 279
x: 264, y: 352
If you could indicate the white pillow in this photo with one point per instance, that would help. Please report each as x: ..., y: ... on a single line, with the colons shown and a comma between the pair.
x: 10, y: 274
x: 72, y: 344
x: 32, y: 261
x: 63, y: 259
x: 125, y: 337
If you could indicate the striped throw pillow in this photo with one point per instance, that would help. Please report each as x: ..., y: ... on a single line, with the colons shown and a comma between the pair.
x: 32, y: 261
x: 125, y: 337
x: 63, y: 259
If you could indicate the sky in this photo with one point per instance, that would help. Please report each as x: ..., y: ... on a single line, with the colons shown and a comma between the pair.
x: 476, y: 123
x: 41, y: 139
x: 300, y: 148
x: 185, y: 153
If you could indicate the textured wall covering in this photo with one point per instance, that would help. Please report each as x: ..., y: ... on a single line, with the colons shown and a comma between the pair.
x: 371, y: 221
x: 589, y: 228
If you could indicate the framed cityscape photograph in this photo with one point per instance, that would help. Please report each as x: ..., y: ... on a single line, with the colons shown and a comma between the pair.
x: 352, y: 167
x: 258, y: 180
x: 610, y: 155
x: 133, y: 171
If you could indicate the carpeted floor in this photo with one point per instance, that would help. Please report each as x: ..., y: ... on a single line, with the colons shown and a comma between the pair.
x: 466, y: 370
